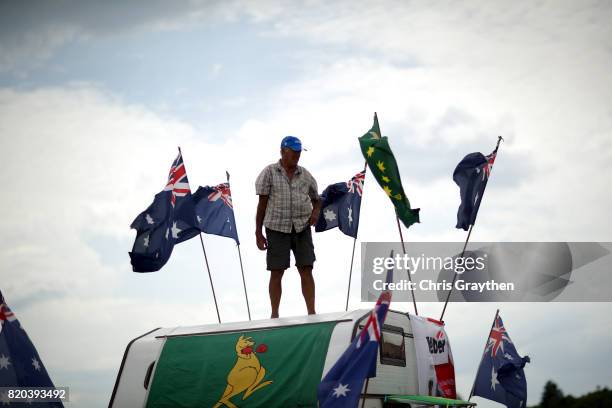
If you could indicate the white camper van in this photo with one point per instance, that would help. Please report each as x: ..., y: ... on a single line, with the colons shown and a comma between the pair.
x: 287, y: 357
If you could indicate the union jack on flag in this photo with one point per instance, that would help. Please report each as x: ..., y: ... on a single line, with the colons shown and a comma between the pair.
x: 6, y: 315
x: 371, y: 330
x: 223, y: 192
x: 489, y: 165
x: 355, y: 184
x: 497, y: 337
x: 177, y: 180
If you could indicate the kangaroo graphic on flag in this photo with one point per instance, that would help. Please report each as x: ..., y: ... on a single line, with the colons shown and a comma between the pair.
x: 246, y: 375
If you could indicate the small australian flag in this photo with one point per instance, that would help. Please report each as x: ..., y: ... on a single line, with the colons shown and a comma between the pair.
x: 169, y: 220
x: 341, y: 386
x: 500, y: 375
x: 20, y: 364
x: 340, y: 206
x: 215, y: 212
x: 471, y: 175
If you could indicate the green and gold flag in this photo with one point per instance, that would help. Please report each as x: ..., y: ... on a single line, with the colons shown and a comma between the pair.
x: 278, y: 367
x: 382, y: 163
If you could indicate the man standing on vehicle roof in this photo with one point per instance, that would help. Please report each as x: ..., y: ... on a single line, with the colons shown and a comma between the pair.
x: 288, y: 207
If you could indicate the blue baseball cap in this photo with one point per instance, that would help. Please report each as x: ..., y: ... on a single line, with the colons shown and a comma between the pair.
x: 292, y: 143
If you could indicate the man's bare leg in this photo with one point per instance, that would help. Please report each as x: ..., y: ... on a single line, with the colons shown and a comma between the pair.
x: 276, y: 289
x: 308, y: 287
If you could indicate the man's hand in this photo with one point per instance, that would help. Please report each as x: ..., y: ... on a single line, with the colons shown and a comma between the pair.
x: 262, y: 242
x: 316, y: 211
x: 314, y: 217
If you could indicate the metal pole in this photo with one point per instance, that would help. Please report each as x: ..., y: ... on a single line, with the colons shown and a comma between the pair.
x: 485, y: 349
x: 416, y: 312
x: 455, y: 276
x: 348, y: 292
x: 244, y: 283
x: 246, y: 297
x: 365, y: 391
x: 205, y: 257
x: 210, y: 278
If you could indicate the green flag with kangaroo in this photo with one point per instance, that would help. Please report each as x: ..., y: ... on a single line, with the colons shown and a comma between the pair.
x: 380, y: 159
x: 258, y: 368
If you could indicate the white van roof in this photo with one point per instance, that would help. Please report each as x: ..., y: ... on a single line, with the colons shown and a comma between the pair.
x: 261, y: 324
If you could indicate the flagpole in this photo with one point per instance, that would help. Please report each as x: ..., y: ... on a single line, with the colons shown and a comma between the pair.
x: 210, y: 278
x: 455, y: 276
x: 399, y: 228
x: 365, y: 392
x: 348, y: 292
x: 499, y: 139
x: 205, y: 257
x: 246, y: 297
x: 485, y: 349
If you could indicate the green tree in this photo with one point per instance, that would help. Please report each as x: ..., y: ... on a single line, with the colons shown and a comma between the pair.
x: 552, y: 397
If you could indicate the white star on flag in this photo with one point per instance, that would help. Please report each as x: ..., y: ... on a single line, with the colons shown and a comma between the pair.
x: 329, y: 215
x: 36, y: 364
x: 350, y: 215
x: 149, y: 219
x: 175, y: 230
x: 508, y: 356
x: 493, y: 379
x: 199, y: 219
x: 341, y: 390
x: 145, y: 241
x: 4, y: 362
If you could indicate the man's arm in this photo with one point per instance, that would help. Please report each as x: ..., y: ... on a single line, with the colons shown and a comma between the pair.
x: 262, y: 243
x: 313, y: 192
x: 316, y: 209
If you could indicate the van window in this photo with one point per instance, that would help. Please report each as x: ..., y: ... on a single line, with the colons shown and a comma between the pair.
x: 393, y: 347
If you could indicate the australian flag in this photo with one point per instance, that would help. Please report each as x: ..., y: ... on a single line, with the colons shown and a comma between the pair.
x: 500, y: 376
x: 340, y: 205
x: 471, y: 175
x: 20, y: 364
x: 215, y: 212
x: 341, y: 386
x: 169, y: 220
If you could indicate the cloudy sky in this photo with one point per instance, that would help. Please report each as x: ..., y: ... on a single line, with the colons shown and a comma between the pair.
x: 95, y: 98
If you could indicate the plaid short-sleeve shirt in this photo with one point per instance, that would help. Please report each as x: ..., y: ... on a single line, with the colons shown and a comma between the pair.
x: 289, y: 201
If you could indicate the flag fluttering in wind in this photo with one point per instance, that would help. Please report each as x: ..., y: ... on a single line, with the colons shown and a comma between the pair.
x: 341, y: 386
x: 215, y: 212
x: 380, y: 159
x: 500, y: 376
x: 471, y: 175
x: 341, y: 203
x: 169, y: 220
x: 20, y: 364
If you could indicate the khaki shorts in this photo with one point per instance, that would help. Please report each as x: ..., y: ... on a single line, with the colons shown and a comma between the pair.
x: 280, y: 244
